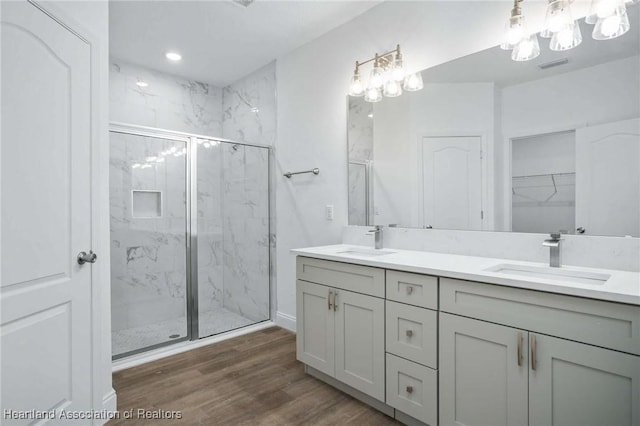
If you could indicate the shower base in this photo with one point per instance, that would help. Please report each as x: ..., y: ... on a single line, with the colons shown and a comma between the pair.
x: 210, y: 323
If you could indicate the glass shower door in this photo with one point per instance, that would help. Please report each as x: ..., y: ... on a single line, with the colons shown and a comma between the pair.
x: 148, y: 210
x: 233, y: 236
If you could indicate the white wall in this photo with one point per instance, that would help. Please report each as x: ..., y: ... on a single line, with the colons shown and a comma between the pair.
x: 312, y: 86
x: 604, y: 92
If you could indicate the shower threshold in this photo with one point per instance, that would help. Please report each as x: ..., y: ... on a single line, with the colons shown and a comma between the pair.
x: 184, y: 346
x: 134, y: 340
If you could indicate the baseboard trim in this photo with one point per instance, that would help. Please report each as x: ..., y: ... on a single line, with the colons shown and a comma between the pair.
x: 286, y: 321
x: 109, y: 405
x: 178, y: 348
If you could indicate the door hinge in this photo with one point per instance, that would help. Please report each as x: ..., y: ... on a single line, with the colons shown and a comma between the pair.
x: 481, y: 153
x: 481, y: 214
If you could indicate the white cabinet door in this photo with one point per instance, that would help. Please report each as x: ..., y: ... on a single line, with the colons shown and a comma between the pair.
x: 452, y: 182
x: 315, y: 321
x: 576, y: 384
x: 608, y: 178
x: 45, y: 294
x: 359, y: 336
x: 481, y: 381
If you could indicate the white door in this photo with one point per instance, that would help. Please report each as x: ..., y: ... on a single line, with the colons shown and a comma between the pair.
x: 452, y: 182
x: 46, y: 214
x: 608, y: 178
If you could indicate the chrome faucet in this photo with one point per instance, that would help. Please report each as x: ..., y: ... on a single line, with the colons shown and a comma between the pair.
x: 377, y: 232
x: 554, y: 244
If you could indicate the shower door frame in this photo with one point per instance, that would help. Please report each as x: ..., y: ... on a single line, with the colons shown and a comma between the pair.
x: 191, y: 214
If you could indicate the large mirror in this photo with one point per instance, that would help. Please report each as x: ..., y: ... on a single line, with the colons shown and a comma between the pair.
x: 492, y: 144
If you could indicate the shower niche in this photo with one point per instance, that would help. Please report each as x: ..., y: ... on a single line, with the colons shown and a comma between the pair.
x: 189, y: 237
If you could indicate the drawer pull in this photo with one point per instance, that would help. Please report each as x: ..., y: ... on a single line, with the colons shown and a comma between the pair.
x: 335, y: 301
x: 409, y: 289
x: 409, y: 389
x: 520, y: 342
x: 329, y: 301
x: 409, y: 333
x: 534, y: 361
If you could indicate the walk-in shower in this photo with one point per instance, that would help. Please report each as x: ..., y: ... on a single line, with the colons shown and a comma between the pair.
x: 189, y: 237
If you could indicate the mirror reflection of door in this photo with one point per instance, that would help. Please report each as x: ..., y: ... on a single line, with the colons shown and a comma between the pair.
x: 608, y: 178
x: 452, y: 182
x: 543, y: 171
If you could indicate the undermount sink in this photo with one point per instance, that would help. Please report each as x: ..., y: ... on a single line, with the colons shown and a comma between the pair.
x: 366, y: 252
x: 557, y: 274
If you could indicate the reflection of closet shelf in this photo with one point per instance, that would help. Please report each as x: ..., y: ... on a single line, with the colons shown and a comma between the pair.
x: 544, y: 204
x: 539, y: 190
x: 551, y: 180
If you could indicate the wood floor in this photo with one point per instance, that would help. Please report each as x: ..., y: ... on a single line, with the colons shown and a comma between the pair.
x: 249, y: 380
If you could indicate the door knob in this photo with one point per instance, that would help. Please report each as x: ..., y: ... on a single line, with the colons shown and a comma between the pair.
x: 580, y: 230
x: 84, y: 257
x: 409, y: 333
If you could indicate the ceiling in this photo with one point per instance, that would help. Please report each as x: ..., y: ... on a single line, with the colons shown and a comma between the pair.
x: 495, y: 65
x: 220, y: 41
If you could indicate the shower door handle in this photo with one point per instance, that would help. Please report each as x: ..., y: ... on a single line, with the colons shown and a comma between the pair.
x: 84, y: 257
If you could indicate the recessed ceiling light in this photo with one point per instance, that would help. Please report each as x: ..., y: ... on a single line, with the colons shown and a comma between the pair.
x: 141, y: 83
x: 173, y: 56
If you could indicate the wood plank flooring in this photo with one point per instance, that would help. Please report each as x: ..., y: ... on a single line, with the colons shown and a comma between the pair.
x: 249, y: 380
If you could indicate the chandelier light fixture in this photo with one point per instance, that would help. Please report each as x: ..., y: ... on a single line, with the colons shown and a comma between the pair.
x: 517, y: 38
x: 609, y: 18
x: 387, y: 78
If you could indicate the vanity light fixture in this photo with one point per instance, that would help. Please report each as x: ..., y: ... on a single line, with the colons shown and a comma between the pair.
x: 388, y: 77
x: 525, y: 45
x: 560, y: 26
x: 173, y: 56
x: 610, y: 19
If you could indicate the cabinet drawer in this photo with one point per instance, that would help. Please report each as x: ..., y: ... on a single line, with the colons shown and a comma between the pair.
x: 610, y: 325
x: 414, y: 289
x: 358, y: 278
x: 413, y: 389
x: 412, y: 333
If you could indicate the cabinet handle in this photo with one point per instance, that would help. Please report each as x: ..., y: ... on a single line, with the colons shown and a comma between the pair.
x: 409, y: 289
x: 329, y: 300
x: 533, y: 352
x: 409, y: 333
x: 520, y: 342
x: 335, y: 301
x: 409, y: 389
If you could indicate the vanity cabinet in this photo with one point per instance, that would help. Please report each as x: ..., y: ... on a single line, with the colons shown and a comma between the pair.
x: 438, y: 350
x: 503, y: 375
x: 339, y: 332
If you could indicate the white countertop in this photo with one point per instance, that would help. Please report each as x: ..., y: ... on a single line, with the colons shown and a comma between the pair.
x: 622, y: 286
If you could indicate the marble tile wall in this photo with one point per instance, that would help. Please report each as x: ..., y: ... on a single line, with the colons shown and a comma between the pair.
x: 168, y: 102
x: 249, y: 116
x: 148, y: 257
x: 246, y: 231
x: 210, y: 226
x: 233, y: 201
